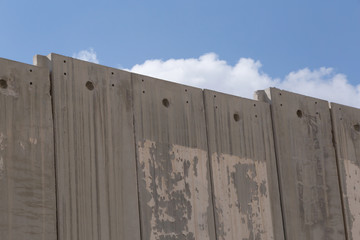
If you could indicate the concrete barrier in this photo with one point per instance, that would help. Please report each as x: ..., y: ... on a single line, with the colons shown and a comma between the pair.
x: 346, y: 127
x: 243, y: 164
x: 141, y: 158
x: 94, y: 150
x: 172, y: 156
x: 27, y: 179
x: 308, y: 178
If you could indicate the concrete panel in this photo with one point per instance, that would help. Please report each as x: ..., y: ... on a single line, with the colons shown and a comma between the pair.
x: 173, y: 168
x: 307, y: 169
x: 27, y: 177
x: 243, y: 164
x: 95, y: 151
x: 346, y: 126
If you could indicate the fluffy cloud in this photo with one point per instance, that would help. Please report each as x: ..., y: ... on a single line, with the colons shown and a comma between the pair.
x: 243, y: 79
x: 88, y: 55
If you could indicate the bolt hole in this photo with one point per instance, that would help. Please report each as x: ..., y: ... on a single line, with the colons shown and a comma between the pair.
x: 187, y: 101
x: 89, y: 85
x: 236, y: 117
x: 214, y: 96
x: 30, y: 70
x: 216, y: 107
x: 357, y: 127
x: 64, y: 61
x: 113, y: 85
x: 185, y: 90
x: 3, y: 84
x: 65, y: 74
x: 255, y: 116
x: 317, y: 113
x: 142, y: 80
x: 299, y: 113
x: 165, y: 102
x: 315, y: 102
x: 30, y: 83
x: 280, y: 104
x: 143, y: 91
x: 254, y: 105
x: 112, y: 73
x: 280, y: 94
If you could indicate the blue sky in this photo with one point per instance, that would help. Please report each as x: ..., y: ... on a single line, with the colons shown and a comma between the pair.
x: 284, y: 37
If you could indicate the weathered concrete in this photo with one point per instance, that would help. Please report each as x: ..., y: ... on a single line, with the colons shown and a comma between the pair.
x: 243, y: 164
x: 172, y: 156
x: 94, y: 150
x: 346, y: 127
x: 307, y: 170
x: 27, y: 181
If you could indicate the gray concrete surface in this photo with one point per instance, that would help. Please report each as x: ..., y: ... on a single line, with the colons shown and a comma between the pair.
x: 141, y: 158
x: 308, y: 178
x: 94, y: 150
x: 172, y: 156
x: 243, y: 164
x: 27, y: 180
x: 346, y: 127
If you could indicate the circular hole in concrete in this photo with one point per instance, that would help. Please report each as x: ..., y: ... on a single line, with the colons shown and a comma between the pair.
x: 256, y: 116
x: 65, y: 74
x: 357, y: 127
x: 3, y: 84
x: 89, y: 85
x: 299, y: 113
x: 113, y: 85
x: 236, y: 117
x: 31, y: 83
x: 64, y: 61
x: 112, y: 73
x: 165, y: 102
x: 30, y: 70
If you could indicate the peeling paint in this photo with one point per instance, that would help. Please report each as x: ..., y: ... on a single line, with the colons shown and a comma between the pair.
x: 352, y: 195
x: 2, y: 168
x: 33, y: 140
x: 22, y: 145
x: 2, y: 141
x: 243, y: 207
x: 174, y: 179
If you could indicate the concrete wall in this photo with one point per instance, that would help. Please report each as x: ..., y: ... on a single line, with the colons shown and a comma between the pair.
x: 134, y: 157
x: 27, y: 179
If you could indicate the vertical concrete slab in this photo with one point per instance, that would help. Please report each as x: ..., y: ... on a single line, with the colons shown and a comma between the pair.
x: 27, y: 178
x: 346, y: 127
x: 172, y: 158
x: 95, y: 151
x: 243, y: 165
x: 307, y: 169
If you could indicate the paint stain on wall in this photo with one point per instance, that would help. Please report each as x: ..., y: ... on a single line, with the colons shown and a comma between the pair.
x: 173, y: 191
x: 243, y: 207
x: 352, y: 195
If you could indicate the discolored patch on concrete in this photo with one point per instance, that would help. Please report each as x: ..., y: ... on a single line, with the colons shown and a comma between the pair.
x: 242, y: 201
x: 174, y: 191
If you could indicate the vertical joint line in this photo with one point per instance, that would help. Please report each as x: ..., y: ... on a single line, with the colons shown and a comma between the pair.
x: 136, y: 154
x: 210, y: 167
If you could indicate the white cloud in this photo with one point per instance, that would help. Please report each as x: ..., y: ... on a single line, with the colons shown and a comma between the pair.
x: 88, y: 55
x: 243, y: 79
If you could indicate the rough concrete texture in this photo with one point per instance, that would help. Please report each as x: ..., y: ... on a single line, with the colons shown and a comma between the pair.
x: 27, y: 180
x: 172, y: 157
x: 307, y: 169
x: 243, y: 164
x: 95, y: 151
x: 346, y: 127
